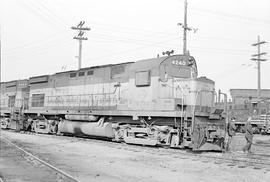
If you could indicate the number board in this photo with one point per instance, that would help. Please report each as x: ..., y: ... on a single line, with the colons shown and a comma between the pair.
x: 179, y: 62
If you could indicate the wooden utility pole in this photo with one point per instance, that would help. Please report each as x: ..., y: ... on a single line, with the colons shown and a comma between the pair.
x: 80, y: 38
x: 185, y: 28
x: 0, y: 88
x: 257, y: 58
x: 0, y: 59
x: 0, y: 56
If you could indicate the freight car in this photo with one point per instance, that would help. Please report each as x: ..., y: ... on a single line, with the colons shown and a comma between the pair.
x: 159, y: 101
x: 260, y: 124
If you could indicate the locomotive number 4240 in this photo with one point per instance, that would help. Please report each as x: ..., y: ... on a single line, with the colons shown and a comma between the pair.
x: 179, y: 62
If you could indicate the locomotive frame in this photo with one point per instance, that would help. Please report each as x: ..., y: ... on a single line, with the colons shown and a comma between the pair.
x: 158, y: 101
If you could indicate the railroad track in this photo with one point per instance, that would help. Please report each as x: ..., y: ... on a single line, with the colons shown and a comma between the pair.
x: 242, y: 161
x: 256, y: 161
x: 62, y: 176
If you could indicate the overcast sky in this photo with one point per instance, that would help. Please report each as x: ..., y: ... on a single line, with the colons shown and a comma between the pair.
x: 37, y: 38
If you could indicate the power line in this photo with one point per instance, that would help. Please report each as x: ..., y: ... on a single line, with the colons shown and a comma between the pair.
x: 52, y: 13
x: 33, y: 10
x: 129, y: 41
x: 39, y: 42
x: 37, y: 50
x: 223, y: 14
x: 232, y: 71
x: 108, y: 38
x: 121, y: 26
x: 132, y: 50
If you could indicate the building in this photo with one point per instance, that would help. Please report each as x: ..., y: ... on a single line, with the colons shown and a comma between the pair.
x: 245, y: 103
x: 242, y: 96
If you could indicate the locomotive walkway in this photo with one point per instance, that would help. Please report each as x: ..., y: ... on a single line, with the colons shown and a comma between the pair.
x: 95, y: 160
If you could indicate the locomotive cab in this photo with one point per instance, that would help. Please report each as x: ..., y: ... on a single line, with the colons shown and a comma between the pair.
x: 194, y: 97
x: 178, y: 66
x: 167, y: 91
x: 179, y: 80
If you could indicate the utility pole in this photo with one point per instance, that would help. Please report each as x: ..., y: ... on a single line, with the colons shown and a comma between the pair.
x: 0, y: 87
x: 257, y: 57
x: 185, y: 28
x: 0, y: 68
x: 80, y: 38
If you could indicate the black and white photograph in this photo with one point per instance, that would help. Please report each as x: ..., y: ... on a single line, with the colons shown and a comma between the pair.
x: 134, y: 91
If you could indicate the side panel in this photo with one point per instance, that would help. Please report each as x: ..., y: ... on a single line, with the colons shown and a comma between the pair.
x: 13, y: 96
x: 147, y: 97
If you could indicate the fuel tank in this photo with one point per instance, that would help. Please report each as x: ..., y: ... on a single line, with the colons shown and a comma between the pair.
x: 79, y: 128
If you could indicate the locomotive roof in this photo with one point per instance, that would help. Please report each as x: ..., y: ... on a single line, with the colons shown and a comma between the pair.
x: 148, y: 63
x: 144, y: 63
x: 152, y: 62
x: 141, y: 64
x: 205, y: 79
x: 38, y: 76
x: 94, y: 67
x: 157, y: 59
x: 21, y: 80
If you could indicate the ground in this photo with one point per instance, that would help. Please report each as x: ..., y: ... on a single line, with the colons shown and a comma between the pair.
x: 94, y: 160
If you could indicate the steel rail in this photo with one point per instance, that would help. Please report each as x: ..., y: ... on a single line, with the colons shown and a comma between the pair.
x: 40, y: 160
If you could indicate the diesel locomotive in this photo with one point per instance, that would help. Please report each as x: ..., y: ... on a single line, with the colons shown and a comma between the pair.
x: 154, y: 102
